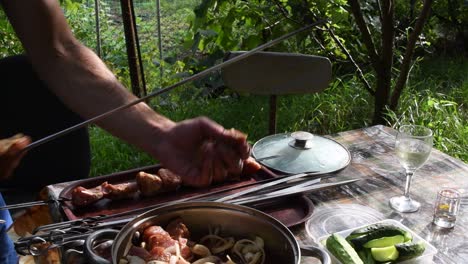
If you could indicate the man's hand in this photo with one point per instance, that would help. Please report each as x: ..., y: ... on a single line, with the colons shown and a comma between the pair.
x: 202, y: 151
x: 11, y: 152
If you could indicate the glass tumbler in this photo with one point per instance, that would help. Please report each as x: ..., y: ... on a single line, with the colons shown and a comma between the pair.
x: 446, y: 208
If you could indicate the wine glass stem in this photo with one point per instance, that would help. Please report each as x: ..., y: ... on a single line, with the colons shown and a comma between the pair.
x: 409, y: 177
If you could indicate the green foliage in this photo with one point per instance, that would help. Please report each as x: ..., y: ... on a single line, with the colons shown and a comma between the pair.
x: 449, y: 25
x: 9, y: 43
x: 81, y: 18
x: 436, y: 98
x: 110, y: 154
x: 432, y: 110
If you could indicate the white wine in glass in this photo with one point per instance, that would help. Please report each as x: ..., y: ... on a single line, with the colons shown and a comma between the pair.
x: 413, y: 146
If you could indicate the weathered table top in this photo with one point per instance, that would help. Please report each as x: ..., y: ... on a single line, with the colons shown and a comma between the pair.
x: 374, y: 162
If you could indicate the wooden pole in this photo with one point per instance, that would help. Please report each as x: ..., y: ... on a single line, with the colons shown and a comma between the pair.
x: 131, y: 45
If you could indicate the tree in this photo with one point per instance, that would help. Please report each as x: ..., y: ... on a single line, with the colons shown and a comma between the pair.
x: 382, y: 59
x: 226, y: 24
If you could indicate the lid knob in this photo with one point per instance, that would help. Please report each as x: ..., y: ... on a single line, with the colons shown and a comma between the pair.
x: 301, y: 140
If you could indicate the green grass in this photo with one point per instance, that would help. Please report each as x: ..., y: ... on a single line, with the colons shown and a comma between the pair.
x: 435, y: 97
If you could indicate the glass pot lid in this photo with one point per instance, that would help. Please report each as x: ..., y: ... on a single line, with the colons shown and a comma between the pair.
x: 300, y: 152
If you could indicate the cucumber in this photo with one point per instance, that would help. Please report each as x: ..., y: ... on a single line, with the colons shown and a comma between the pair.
x: 342, y: 250
x: 384, y: 241
x: 385, y: 253
x: 366, y: 256
x: 410, y: 250
x: 408, y: 237
x: 378, y: 227
x: 369, y: 228
x: 362, y: 255
x: 361, y: 236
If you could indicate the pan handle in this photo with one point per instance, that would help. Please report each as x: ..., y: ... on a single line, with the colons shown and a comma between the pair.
x: 92, y: 239
x: 317, y: 252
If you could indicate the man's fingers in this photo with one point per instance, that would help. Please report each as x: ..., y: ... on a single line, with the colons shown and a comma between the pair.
x: 19, y: 144
x: 230, y: 137
x: 219, y: 171
x: 205, y: 177
x: 238, y: 140
x: 11, y: 154
x: 230, y: 159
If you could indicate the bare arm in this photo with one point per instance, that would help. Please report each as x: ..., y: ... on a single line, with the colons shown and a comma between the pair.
x: 197, y: 149
x: 75, y: 74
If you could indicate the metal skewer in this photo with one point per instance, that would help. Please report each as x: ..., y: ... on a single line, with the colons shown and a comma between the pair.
x: 263, y: 186
x: 199, y: 196
x: 62, y: 233
x: 28, y: 204
x: 171, y: 87
x: 295, y: 190
x: 23, y: 205
x: 31, y: 204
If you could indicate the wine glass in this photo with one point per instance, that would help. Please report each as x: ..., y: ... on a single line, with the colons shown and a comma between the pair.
x: 413, y: 146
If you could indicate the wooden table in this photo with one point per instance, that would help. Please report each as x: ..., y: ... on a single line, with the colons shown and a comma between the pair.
x: 374, y: 162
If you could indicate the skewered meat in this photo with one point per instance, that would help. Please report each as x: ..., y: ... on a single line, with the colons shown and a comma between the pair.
x: 149, y: 184
x: 251, y: 166
x: 170, y: 180
x: 146, y: 184
x: 119, y: 191
x: 82, y: 196
x: 163, y: 181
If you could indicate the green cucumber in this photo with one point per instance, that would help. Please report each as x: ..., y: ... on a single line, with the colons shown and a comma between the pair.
x: 410, y: 250
x: 378, y: 227
x: 385, y: 253
x: 342, y: 250
x: 362, y: 255
x: 363, y: 235
x: 384, y: 241
x: 366, y: 256
x: 408, y: 237
x: 369, y: 228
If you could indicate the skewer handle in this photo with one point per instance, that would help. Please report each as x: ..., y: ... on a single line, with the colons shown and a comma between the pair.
x: 24, y: 205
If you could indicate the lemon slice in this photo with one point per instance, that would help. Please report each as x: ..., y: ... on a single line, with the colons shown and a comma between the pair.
x: 384, y: 254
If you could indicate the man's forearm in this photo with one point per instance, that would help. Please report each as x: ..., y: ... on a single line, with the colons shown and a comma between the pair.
x: 89, y: 88
x: 77, y: 76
